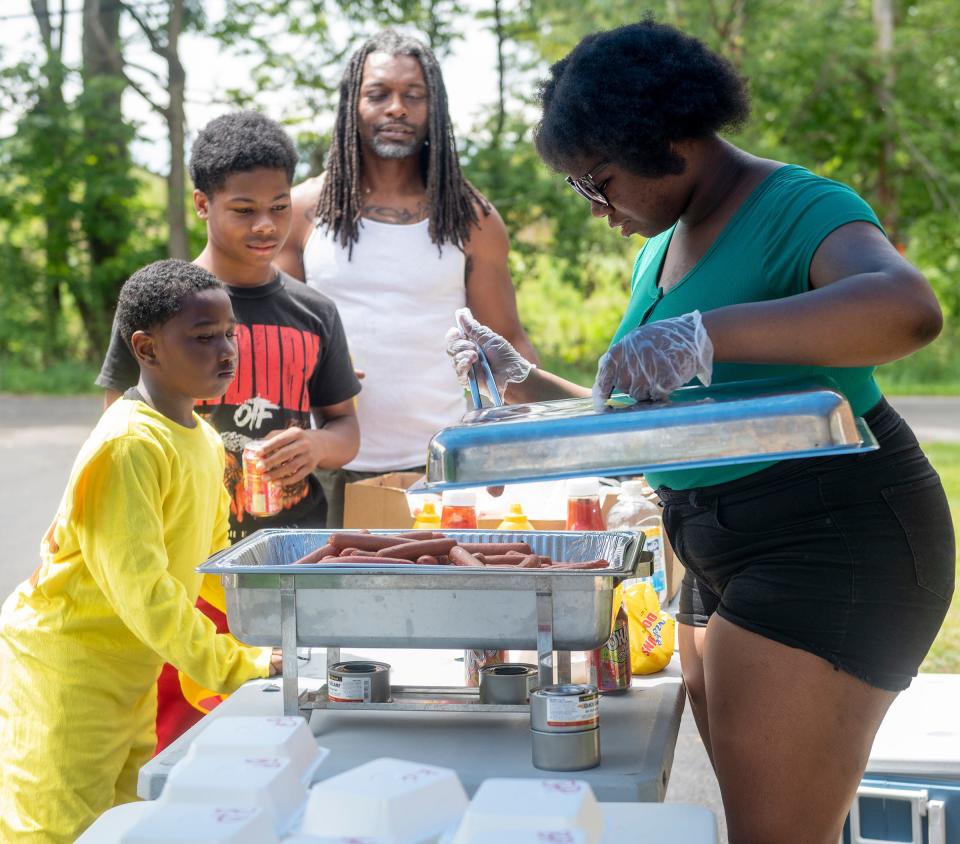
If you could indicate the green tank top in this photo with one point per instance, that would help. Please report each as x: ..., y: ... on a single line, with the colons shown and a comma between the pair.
x: 764, y: 252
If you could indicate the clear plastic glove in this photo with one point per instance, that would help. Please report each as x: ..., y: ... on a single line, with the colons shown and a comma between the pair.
x: 506, y: 363
x: 653, y: 360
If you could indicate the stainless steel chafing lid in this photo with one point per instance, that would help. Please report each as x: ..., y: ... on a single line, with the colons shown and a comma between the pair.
x: 730, y: 424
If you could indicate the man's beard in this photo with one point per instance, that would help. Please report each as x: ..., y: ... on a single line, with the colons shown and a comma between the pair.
x: 393, y: 149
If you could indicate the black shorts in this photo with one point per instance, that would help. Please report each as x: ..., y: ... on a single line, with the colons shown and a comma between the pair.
x: 850, y: 558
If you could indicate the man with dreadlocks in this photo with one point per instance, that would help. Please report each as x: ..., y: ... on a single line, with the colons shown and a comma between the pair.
x: 399, y: 239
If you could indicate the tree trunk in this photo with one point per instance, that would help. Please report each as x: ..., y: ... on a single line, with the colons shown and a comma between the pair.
x: 106, y: 219
x: 55, y: 182
x: 498, y: 31
x: 883, y: 25
x: 176, y: 124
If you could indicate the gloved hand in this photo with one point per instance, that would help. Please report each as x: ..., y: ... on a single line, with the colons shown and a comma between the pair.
x: 506, y: 363
x: 655, y: 359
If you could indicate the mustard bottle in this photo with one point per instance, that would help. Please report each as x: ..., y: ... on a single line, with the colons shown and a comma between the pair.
x: 515, y: 519
x: 428, y: 518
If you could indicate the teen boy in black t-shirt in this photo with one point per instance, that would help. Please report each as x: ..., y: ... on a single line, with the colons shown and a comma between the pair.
x: 292, y: 355
x: 293, y: 358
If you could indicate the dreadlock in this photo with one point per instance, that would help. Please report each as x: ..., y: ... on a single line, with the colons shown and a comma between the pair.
x: 451, y: 198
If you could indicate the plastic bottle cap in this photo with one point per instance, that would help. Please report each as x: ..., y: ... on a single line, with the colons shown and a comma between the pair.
x: 515, y: 510
x: 428, y: 517
x: 459, y: 498
x: 634, y: 489
x: 582, y: 487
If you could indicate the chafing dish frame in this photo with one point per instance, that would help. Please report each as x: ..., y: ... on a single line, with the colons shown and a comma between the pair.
x: 557, y: 597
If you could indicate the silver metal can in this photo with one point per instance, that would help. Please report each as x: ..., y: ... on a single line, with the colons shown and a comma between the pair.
x: 358, y: 682
x: 508, y: 683
x: 474, y: 660
x: 565, y: 727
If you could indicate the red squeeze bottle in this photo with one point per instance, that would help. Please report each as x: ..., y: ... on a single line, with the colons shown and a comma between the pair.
x: 583, y: 505
x: 459, y: 510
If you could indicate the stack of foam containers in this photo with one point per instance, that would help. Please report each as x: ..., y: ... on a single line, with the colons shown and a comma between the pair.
x: 386, y: 801
x: 243, y: 780
x: 516, y: 811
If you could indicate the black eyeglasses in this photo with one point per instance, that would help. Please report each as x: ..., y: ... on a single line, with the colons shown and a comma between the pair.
x: 588, y: 188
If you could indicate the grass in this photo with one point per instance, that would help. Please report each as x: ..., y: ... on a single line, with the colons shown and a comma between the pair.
x: 63, y: 378
x: 944, y: 656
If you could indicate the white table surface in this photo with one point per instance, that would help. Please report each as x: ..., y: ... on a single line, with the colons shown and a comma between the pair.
x: 638, y: 730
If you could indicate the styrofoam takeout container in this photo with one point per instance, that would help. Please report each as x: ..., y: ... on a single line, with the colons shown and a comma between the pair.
x: 390, y: 800
x: 182, y: 823
x: 518, y: 836
x: 512, y: 805
x: 268, y: 782
x: 340, y: 839
x: 113, y: 823
x: 288, y: 737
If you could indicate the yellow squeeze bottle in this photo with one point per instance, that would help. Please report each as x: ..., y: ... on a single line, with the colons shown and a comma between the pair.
x: 428, y: 518
x: 515, y: 520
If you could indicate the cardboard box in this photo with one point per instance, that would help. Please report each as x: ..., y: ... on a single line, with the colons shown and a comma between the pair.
x: 381, y: 503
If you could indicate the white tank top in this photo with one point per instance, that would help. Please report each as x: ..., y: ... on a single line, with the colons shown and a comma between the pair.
x: 396, y: 297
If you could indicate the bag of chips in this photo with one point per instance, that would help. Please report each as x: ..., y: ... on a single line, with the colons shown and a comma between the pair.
x: 652, y: 631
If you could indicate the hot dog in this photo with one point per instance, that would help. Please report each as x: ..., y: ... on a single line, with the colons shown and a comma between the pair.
x: 365, y: 541
x: 459, y: 556
x: 514, y: 559
x: 531, y: 561
x: 370, y: 561
x: 427, y: 560
x: 411, y: 549
x: 495, y: 547
x: 316, y: 555
x: 589, y: 564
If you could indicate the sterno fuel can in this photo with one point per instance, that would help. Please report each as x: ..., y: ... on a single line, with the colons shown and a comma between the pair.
x: 565, y: 727
x: 362, y: 681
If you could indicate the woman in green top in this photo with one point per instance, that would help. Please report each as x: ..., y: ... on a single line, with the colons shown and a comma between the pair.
x: 814, y: 588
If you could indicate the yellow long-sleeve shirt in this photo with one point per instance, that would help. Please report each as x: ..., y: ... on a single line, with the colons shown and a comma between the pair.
x: 83, y: 640
x: 145, y: 504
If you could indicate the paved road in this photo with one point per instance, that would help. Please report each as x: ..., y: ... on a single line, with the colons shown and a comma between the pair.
x: 39, y: 437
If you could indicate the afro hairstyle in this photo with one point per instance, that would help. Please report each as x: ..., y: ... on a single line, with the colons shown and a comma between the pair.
x: 627, y: 95
x: 155, y: 294
x: 237, y: 143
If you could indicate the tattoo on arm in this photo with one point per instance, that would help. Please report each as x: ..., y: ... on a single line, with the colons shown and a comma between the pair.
x: 396, y: 216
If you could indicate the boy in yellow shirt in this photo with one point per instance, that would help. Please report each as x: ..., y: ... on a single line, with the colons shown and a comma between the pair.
x: 82, y: 641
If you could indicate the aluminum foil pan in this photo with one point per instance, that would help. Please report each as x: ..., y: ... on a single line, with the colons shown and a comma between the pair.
x: 412, y: 606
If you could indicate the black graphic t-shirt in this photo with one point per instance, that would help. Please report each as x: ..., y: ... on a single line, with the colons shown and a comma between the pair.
x: 292, y: 356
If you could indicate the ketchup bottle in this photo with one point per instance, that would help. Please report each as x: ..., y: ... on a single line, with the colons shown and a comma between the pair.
x: 459, y: 510
x: 583, y: 504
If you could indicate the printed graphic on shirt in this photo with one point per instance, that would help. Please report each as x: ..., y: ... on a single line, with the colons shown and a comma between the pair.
x: 270, y: 392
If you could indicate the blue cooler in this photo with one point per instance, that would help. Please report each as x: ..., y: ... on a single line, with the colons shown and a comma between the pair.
x: 911, y: 789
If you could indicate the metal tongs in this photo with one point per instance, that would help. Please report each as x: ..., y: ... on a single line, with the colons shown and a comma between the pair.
x: 482, y: 367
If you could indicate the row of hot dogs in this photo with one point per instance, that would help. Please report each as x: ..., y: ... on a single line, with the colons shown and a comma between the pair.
x: 428, y: 548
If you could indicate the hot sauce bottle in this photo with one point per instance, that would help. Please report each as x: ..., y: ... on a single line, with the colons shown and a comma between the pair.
x: 583, y: 504
x: 459, y: 510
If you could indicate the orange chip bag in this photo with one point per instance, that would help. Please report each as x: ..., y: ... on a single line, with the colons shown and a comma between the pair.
x: 652, y: 631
